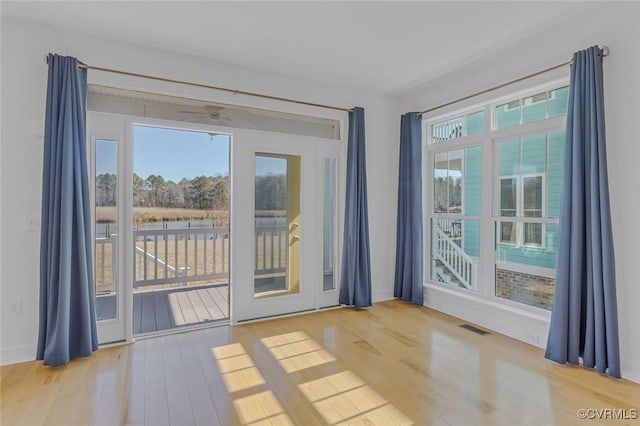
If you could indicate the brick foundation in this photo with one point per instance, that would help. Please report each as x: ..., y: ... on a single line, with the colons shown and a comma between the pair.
x: 525, y: 288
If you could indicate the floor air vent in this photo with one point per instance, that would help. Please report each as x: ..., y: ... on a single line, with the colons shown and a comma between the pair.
x: 474, y: 329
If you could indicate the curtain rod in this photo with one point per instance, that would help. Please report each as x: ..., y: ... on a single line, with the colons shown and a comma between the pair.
x: 206, y: 86
x: 604, y: 51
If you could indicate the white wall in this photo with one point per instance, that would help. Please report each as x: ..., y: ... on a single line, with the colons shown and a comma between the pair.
x: 616, y: 25
x: 24, y: 76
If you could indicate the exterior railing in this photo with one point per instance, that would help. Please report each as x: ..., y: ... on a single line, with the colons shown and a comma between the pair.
x: 447, y: 130
x: 459, y: 263
x: 451, y: 227
x: 169, y: 256
x: 105, y: 252
x: 180, y: 256
x: 271, y: 249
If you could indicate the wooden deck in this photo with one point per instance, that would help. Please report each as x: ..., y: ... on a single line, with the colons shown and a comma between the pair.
x: 166, y: 309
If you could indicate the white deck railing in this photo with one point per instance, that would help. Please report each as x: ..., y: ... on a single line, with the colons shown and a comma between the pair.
x: 451, y: 227
x: 105, y: 251
x: 168, y: 256
x: 460, y: 264
x: 271, y: 249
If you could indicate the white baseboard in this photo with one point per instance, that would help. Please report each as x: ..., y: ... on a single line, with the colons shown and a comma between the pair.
x: 630, y: 372
x: 524, y: 326
x: 17, y: 354
x: 491, y: 315
x: 378, y: 295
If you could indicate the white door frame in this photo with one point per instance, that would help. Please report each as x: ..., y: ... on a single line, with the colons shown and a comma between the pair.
x: 313, y: 151
x: 116, y: 128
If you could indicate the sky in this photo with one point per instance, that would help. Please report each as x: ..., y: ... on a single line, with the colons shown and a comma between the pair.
x: 176, y: 154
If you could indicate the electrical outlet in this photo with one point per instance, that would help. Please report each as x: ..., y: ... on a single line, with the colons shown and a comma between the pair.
x: 14, y: 307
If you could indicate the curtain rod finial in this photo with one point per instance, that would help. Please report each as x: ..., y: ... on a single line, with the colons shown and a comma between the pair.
x: 604, y: 50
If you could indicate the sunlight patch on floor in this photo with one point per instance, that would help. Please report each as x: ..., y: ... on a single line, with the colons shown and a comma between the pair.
x: 297, y: 351
x: 343, y: 398
x: 261, y: 409
x: 340, y: 399
x: 236, y: 367
x: 282, y: 339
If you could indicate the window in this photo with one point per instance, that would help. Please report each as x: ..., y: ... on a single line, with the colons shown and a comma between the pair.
x: 532, y: 195
x: 540, y: 106
x: 508, y: 208
x: 466, y: 125
x: 455, y: 230
x: 512, y: 197
x: 521, y: 196
x: 447, y: 182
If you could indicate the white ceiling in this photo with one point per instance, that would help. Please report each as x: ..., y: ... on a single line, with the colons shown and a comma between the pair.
x: 382, y: 46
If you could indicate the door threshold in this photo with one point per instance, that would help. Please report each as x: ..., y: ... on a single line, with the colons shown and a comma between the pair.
x: 287, y: 315
x: 182, y: 329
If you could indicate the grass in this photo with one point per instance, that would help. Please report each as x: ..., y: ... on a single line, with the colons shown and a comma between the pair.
x: 107, y: 214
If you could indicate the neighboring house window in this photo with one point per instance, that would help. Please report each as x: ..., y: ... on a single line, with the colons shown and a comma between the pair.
x: 533, y: 194
x: 495, y: 170
x: 508, y: 208
x: 522, y: 196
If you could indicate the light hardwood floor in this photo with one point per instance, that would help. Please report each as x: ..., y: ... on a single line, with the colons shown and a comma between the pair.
x: 391, y: 364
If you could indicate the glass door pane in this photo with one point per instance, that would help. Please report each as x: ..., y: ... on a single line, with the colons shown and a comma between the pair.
x: 180, y: 228
x: 277, y: 225
x: 107, y: 149
x: 329, y: 224
x: 106, y: 229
